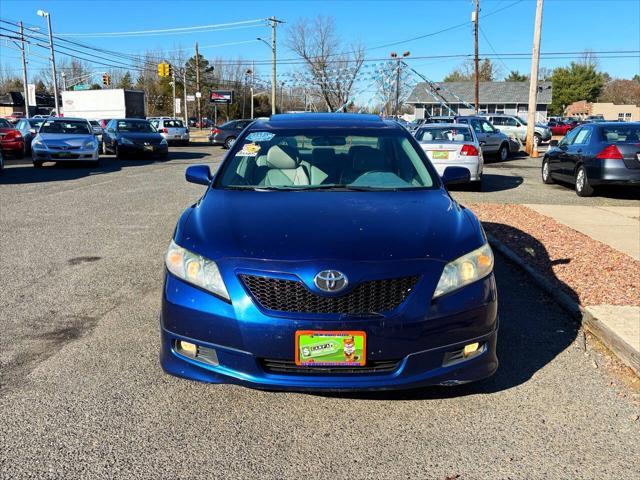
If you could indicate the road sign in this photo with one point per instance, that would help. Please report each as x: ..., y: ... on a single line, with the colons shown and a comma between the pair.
x: 191, y: 98
x: 221, y: 96
x: 178, y: 103
x: 31, y: 87
x: 198, y: 94
x: 82, y: 86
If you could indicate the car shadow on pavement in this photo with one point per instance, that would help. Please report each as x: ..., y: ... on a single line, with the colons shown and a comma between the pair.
x: 492, y: 182
x: 533, y: 329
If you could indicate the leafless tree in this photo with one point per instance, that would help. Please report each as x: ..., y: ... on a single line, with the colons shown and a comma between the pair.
x: 332, y: 68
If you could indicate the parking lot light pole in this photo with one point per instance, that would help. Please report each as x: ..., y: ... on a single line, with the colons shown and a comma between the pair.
x: 42, y: 13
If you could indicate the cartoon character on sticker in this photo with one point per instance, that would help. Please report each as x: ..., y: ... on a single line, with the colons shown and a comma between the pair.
x: 349, y: 349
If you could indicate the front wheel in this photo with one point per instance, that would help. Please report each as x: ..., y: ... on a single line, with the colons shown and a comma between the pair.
x: 503, y: 152
x: 583, y: 188
x: 119, y: 153
x: 546, y: 172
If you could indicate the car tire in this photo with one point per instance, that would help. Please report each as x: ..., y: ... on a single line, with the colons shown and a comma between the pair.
x: 119, y: 154
x: 503, y: 152
x: 228, y: 142
x: 583, y: 188
x: 546, y: 173
x: 37, y: 164
x: 537, y: 138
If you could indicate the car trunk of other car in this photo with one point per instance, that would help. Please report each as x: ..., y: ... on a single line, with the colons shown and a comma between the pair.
x: 442, y: 151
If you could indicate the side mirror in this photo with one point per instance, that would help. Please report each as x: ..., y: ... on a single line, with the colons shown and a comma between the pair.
x: 553, y: 143
x: 455, y: 175
x: 32, y: 131
x: 199, y: 174
x: 497, y: 130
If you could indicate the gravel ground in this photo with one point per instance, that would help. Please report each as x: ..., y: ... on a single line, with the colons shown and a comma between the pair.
x: 589, y: 271
x: 83, y: 397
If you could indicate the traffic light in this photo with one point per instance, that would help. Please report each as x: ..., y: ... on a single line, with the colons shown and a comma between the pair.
x: 106, y: 79
x: 165, y: 69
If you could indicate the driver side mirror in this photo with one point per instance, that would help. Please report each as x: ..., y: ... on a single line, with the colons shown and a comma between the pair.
x: 199, y: 174
x: 32, y: 131
x: 455, y: 175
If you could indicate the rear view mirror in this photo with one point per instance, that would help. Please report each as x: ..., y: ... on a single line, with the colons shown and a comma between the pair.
x: 199, y: 174
x: 455, y: 175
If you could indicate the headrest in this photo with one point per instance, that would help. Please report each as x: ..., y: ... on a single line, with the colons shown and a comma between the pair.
x: 458, y: 137
x: 368, y: 158
x: 323, y: 155
x: 427, y: 137
x: 278, y: 158
x: 612, y: 136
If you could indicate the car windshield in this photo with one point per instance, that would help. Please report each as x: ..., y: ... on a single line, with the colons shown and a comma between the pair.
x: 325, y: 160
x: 621, y: 134
x: 138, y: 126
x: 69, y: 127
x: 444, y: 135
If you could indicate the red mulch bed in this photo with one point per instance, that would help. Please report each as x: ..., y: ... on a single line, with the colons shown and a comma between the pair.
x: 591, y: 272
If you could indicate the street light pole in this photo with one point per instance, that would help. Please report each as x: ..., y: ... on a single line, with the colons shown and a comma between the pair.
x: 274, y: 23
x: 42, y: 13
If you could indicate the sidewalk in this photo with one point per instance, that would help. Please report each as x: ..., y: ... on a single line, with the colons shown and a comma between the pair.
x: 589, y: 258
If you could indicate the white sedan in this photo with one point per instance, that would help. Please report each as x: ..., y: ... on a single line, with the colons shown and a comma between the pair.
x: 452, y: 145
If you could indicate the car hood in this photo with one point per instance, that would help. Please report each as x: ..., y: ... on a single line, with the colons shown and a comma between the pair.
x: 141, y: 137
x: 64, y: 140
x: 353, y: 226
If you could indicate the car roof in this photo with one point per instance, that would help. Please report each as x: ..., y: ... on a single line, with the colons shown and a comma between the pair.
x: 325, y: 120
x: 62, y: 119
x: 444, y: 125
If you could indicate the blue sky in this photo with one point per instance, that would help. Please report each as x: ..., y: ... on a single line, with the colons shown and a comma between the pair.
x: 568, y: 25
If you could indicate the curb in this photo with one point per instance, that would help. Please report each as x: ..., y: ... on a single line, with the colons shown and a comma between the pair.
x: 589, y: 322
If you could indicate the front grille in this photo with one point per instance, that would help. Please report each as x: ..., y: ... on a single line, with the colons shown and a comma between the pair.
x: 293, y: 296
x: 289, y: 367
x: 60, y: 147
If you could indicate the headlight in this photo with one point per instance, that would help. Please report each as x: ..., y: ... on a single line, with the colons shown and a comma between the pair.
x: 126, y: 141
x: 465, y: 270
x: 195, y: 269
x: 163, y: 141
x: 38, y: 143
x: 90, y: 144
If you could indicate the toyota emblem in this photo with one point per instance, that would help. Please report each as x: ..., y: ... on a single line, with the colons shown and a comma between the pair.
x: 330, y: 281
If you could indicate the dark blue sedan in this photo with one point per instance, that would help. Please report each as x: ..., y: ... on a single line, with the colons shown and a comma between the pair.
x: 326, y: 254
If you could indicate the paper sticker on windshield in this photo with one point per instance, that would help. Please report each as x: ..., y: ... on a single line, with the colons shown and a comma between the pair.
x: 260, y: 136
x: 249, y: 150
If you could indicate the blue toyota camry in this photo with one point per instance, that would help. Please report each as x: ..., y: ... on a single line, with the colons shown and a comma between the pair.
x: 327, y: 254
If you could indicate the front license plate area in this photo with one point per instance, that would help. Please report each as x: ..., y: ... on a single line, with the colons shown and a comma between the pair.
x: 343, y: 348
x: 148, y: 148
x: 440, y: 155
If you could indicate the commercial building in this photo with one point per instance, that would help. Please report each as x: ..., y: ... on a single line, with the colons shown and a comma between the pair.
x: 610, y: 111
x: 495, y: 97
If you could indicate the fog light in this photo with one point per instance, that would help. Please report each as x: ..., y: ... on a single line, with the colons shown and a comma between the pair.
x: 470, y: 349
x: 188, y: 349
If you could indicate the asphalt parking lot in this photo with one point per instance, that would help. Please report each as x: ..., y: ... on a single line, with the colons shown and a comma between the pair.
x: 82, y: 394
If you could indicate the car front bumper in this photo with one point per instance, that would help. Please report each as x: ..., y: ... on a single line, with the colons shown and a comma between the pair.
x: 136, y: 149
x: 418, y: 341
x: 51, y: 155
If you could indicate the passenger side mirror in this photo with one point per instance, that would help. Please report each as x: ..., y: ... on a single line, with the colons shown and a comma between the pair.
x: 199, y: 174
x: 455, y: 175
x: 553, y: 143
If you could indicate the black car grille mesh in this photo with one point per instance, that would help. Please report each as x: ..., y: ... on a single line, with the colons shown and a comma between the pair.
x: 287, y: 367
x: 293, y: 296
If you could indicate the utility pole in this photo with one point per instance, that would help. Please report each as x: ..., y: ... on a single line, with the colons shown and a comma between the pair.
x: 173, y: 88
x: 42, y: 13
x: 198, y: 85
x: 253, y: 70
x: 186, y: 116
x: 64, y: 81
x: 399, y: 62
x: 25, y: 87
x: 533, y: 78
x: 476, y: 62
x: 274, y: 23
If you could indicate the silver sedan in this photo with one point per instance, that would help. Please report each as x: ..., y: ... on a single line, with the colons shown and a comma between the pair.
x: 63, y: 140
